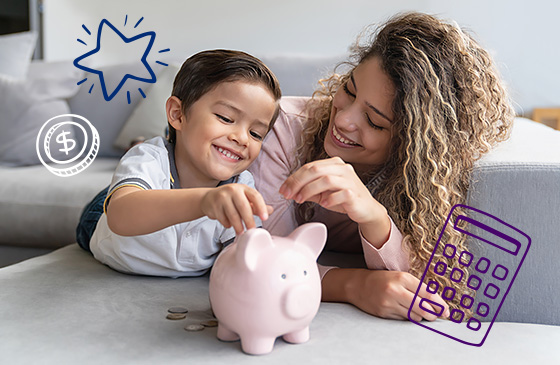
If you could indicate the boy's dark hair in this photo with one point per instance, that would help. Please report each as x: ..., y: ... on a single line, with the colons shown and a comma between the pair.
x: 205, y: 70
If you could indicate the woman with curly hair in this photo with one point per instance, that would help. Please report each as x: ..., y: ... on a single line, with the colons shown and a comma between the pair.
x: 382, y: 153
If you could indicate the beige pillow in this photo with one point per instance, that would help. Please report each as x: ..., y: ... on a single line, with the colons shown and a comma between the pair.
x: 148, y: 119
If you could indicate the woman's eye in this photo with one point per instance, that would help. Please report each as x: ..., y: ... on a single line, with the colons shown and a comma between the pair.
x: 256, y: 136
x: 373, y: 125
x: 345, y: 87
x: 224, y: 119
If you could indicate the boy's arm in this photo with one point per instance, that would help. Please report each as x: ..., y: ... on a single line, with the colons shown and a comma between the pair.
x: 133, y: 211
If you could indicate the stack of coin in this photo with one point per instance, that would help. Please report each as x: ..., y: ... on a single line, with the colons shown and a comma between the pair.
x: 176, y: 313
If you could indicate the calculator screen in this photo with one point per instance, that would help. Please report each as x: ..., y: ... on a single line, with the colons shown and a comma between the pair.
x: 488, y: 235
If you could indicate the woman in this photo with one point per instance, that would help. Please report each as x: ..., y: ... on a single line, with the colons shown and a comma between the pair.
x: 380, y: 155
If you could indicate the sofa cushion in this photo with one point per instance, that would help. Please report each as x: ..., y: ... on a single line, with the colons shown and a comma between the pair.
x: 108, y: 117
x: 148, y: 118
x: 27, y: 104
x: 40, y: 209
x: 15, y: 54
x: 519, y: 183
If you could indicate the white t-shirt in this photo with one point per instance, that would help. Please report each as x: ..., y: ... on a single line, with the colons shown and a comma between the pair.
x: 185, y: 249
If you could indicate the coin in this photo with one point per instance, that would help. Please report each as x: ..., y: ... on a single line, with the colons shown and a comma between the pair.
x: 210, y: 323
x: 177, y: 310
x: 176, y: 316
x: 55, y: 137
x: 194, y: 327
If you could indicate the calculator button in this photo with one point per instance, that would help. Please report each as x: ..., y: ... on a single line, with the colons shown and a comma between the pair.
x: 432, y: 287
x: 467, y: 301
x: 483, y: 265
x: 456, y: 275
x: 440, y: 268
x: 474, y: 324
x: 500, y: 272
x: 466, y: 258
x: 482, y: 309
x: 449, y: 251
x: 491, y: 291
x: 456, y: 315
x: 437, y: 307
x: 474, y: 282
x: 448, y: 293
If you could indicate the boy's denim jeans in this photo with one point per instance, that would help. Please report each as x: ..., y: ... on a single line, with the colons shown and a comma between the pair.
x: 89, y: 218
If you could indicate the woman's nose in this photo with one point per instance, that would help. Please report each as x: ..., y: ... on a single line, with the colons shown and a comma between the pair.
x: 347, y: 118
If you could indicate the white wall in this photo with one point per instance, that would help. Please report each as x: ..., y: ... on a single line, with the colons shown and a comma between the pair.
x: 522, y: 35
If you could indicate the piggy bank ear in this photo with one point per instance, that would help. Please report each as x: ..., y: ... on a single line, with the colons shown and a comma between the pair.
x: 250, y: 245
x: 313, y: 235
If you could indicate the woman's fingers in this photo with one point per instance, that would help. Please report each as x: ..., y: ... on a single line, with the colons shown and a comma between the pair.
x: 311, y: 171
x: 319, y: 186
x: 433, y: 306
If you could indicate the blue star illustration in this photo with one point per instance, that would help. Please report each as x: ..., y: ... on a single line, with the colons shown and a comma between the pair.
x: 108, y: 96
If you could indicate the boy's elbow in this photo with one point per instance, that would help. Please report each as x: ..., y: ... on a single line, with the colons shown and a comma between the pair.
x: 116, y: 224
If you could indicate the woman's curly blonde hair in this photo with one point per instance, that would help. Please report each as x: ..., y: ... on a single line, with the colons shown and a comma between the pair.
x: 450, y: 107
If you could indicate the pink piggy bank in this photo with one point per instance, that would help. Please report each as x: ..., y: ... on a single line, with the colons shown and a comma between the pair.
x: 262, y: 287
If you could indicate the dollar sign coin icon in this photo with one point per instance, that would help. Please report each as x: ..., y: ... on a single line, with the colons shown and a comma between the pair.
x: 61, y: 138
x: 66, y: 133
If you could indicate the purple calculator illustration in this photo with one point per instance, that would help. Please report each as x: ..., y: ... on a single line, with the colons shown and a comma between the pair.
x: 489, y: 275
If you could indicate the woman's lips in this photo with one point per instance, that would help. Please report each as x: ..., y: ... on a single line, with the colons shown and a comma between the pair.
x: 340, y: 140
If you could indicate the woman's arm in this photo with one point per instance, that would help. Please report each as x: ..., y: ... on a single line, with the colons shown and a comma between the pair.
x: 385, y: 294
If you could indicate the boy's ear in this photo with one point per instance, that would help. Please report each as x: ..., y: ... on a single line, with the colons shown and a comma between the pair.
x: 174, y: 112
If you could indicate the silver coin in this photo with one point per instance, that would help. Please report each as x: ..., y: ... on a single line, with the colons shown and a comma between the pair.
x: 52, y: 137
x: 176, y: 316
x: 177, y: 310
x: 210, y: 323
x: 194, y: 327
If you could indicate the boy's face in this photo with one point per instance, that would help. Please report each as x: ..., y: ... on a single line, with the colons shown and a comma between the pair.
x: 222, y: 132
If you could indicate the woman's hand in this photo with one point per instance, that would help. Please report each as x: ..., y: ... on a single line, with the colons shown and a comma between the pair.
x: 385, y: 294
x: 235, y: 204
x: 334, y: 185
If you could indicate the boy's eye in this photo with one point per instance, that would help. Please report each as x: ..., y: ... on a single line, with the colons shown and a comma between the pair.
x: 345, y: 87
x: 224, y: 119
x: 256, y: 136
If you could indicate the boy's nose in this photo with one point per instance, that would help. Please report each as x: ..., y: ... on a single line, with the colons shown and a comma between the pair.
x: 239, y: 136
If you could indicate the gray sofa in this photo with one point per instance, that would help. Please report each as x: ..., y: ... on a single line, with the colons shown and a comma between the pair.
x: 65, y: 307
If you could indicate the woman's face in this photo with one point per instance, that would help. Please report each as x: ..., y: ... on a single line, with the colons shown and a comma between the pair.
x: 361, y: 118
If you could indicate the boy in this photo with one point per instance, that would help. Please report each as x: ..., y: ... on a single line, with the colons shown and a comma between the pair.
x: 172, y: 205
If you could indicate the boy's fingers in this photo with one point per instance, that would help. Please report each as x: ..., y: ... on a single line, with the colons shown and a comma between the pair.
x: 245, y: 212
x: 257, y: 203
x: 233, y: 216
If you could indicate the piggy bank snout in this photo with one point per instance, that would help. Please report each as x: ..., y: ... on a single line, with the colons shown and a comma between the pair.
x: 300, y: 301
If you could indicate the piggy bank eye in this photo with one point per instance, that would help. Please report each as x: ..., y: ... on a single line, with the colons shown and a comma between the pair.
x: 283, y: 276
x: 304, y: 272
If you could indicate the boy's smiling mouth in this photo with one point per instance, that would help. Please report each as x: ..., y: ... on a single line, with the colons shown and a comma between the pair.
x: 228, y: 154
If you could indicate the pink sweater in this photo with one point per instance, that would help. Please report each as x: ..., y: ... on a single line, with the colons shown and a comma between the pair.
x: 273, y: 166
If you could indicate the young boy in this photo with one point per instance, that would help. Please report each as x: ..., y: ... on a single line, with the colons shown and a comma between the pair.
x: 173, y: 204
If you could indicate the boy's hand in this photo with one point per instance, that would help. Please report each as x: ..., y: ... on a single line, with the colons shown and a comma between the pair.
x: 235, y: 204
